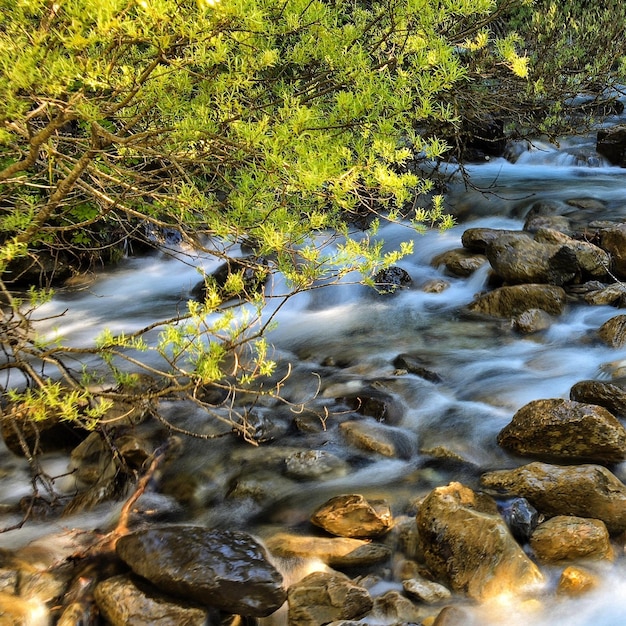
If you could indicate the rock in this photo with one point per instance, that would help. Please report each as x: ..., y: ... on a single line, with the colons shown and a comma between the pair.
x: 253, y: 272
x: 426, y: 590
x: 575, y: 581
x: 16, y: 611
x: 353, y: 516
x: 567, y: 538
x: 565, y: 430
x: 478, y: 239
x: 414, y: 366
x: 122, y: 603
x: 467, y: 544
x: 225, y: 569
x: 611, y: 295
x: 315, y: 465
x: 393, y: 608
x: 460, y: 262
x: 321, y: 597
x: 515, y: 148
x: 513, y: 300
x: 517, y: 258
x: 391, y: 280
x: 532, y: 321
x: 593, y: 262
x: 613, y: 331
x: 581, y: 490
x: 613, y: 240
x: 373, y: 437
x: 453, y: 616
x: 436, y: 285
x: 521, y: 518
x: 611, y: 144
x: 334, y: 552
x: 611, y: 397
x: 372, y: 402
x: 535, y: 223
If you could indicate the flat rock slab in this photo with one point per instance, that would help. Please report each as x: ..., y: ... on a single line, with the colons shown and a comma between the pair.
x: 228, y: 570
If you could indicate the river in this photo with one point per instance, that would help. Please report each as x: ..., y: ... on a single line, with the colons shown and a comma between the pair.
x: 347, y: 337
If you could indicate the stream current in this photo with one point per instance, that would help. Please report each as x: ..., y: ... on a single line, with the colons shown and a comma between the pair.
x: 487, y: 370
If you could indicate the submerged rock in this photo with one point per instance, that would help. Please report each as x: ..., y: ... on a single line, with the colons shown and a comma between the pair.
x: 353, y: 516
x: 565, y: 430
x: 567, y: 538
x: 228, y: 570
x: 373, y: 437
x: 321, y: 598
x: 467, y: 544
x: 581, y: 490
x: 532, y: 321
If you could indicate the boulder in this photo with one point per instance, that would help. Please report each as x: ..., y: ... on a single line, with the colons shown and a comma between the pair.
x: 322, y: 597
x: 567, y: 538
x: 426, y: 591
x: 353, y: 516
x: 592, y: 262
x: 609, y: 295
x: 518, y: 258
x: 372, y: 402
x: 334, y: 552
x: 122, y: 603
x: 373, y: 437
x: 391, y: 280
x: 565, y: 430
x: 613, y: 240
x: 532, y: 321
x: 575, y: 581
x: 613, y: 331
x: 394, y: 608
x: 228, y: 570
x: 460, y: 262
x: 580, y: 490
x: 513, y: 300
x: 315, y: 465
x: 468, y: 546
x: 608, y: 395
x: 611, y: 144
x: 477, y: 239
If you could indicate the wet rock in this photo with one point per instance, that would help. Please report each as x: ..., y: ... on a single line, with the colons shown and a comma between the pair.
x: 613, y: 331
x: 521, y: 517
x: 613, y: 240
x: 467, y: 544
x: 582, y: 490
x: 453, y: 616
x: 353, y: 516
x: 322, y: 597
x: 122, y: 603
x: 611, y: 144
x: 565, y: 430
x: 532, y: 321
x: 535, y: 223
x: 592, y: 262
x: 336, y: 552
x: 374, y: 437
x: 414, y: 366
x: 515, y: 148
x: 478, y: 239
x: 426, y: 590
x: 315, y: 465
x: 567, y: 538
x: 609, y: 295
x: 391, y: 280
x: 383, y: 407
x: 460, y: 262
x: 576, y: 581
x: 394, y: 608
x: 436, y: 285
x: 517, y: 258
x: 611, y: 397
x: 513, y: 300
x: 228, y: 570
x: 253, y: 272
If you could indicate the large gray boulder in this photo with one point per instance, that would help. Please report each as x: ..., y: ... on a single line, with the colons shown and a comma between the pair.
x: 228, y: 570
x: 580, y: 490
x: 560, y: 429
x: 468, y: 546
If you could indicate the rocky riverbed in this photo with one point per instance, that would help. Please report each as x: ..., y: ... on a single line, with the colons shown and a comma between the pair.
x: 449, y: 452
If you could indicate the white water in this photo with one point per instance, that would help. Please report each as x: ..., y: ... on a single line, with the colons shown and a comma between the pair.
x: 487, y: 370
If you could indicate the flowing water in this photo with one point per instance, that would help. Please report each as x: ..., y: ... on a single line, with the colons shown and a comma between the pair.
x: 343, y: 338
